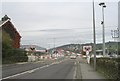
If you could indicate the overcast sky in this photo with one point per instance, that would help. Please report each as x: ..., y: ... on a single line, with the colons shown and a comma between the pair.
x: 41, y: 23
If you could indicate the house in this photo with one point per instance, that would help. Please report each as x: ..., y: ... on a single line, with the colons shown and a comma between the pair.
x: 7, y: 26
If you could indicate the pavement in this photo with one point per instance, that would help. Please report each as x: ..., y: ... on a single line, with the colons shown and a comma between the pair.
x: 86, y: 71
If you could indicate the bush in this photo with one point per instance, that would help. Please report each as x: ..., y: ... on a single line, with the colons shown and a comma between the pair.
x: 109, y: 67
x: 10, y: 54
x: 14, y: 55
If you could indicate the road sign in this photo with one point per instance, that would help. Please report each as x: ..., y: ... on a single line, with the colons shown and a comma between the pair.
x: 87, y: 48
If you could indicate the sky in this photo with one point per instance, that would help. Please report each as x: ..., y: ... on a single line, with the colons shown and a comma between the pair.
x: 55, y: 23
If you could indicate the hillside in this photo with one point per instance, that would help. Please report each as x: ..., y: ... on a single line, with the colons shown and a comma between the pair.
x: 33, y: 46
x: 110, y: 46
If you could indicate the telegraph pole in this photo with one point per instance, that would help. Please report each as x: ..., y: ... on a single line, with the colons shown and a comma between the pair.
x: 119, y: 28
x: 94, y: 37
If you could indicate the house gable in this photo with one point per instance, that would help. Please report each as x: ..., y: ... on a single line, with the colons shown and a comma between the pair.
x: 9, y: 28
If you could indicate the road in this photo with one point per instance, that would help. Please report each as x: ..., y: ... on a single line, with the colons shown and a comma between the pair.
x: 13, y: 69
x: 57, y: 70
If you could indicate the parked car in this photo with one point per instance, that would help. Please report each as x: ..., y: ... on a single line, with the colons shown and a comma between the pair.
x: 73, y: 56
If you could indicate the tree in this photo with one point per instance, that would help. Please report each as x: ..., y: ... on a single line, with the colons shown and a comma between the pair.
x: 6, y: 45
x: 10, y: 54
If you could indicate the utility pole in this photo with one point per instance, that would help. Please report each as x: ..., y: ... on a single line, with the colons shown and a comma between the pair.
x: 94, y: 37
x: 102, y: 22
x: 119, y: 29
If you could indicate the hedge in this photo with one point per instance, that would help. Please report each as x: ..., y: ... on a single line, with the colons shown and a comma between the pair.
x: 14, y: 56
x: 10, y: 54
x: 109, y: 67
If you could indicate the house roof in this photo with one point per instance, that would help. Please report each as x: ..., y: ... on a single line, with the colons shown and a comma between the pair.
x: 1, y: 22
x: 5, y: 20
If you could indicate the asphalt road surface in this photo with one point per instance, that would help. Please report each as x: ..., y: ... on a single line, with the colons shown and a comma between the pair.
x: 19, y: 68
x: 58, y: 70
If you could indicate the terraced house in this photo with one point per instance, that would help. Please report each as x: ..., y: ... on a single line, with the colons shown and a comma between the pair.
x: 8, y: 28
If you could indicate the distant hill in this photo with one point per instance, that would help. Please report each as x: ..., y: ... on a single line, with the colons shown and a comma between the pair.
x: 98, y: 46
x: 33, y: 46
x: 111, y: 46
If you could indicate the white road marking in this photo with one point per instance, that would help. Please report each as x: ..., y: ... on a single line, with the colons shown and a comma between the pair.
x: 75, y: 69
x: 22, y: 63
x: 29, y: 71
x: 16, y: 75
x: 39, y: 62
x: 75, y: 63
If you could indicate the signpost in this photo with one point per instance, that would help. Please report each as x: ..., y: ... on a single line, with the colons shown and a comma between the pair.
x: 87, y: 49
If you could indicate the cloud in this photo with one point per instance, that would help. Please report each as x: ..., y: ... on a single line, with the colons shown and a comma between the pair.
x: 68, y: 22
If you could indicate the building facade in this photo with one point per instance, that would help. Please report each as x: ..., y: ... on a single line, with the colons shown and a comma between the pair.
x: 7, y: 26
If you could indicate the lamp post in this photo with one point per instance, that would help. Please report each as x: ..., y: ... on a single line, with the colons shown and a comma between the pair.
x: 102, y: 22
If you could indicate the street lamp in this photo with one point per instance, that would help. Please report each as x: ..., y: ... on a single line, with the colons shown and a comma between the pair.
x: 102, y: 22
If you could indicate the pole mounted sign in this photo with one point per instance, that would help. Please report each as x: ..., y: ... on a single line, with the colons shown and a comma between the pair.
x: 87, y: 48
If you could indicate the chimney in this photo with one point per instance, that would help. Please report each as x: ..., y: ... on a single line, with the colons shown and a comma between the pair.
x: 5, y: 18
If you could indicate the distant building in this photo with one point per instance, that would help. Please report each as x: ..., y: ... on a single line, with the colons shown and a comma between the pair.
x: 7, y: 26
x: 35, y: 47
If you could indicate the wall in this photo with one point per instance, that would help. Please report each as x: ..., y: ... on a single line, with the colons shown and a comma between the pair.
x: 9, y: 28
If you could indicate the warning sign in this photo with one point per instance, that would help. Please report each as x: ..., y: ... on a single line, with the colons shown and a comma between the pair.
x: 87, y: 48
